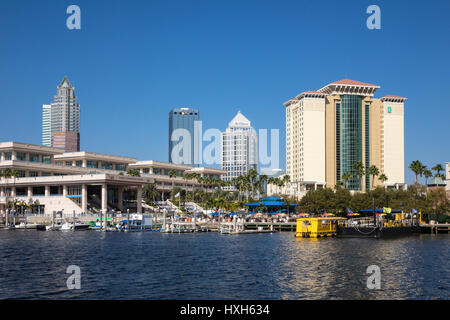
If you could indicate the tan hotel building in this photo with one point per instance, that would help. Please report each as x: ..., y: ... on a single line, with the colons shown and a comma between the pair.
x: 330, y: 129
x: 84, y: 182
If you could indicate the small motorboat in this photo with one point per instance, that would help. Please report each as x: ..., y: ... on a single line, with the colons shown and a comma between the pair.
x: 74, y: 226
x: 34, y: 226
x: 56, y: 226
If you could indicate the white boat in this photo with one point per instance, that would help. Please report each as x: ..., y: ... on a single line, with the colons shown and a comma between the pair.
x: 78, y: 226
x: 34, y: 226
x: 57, y: 225
x: 182, y: 227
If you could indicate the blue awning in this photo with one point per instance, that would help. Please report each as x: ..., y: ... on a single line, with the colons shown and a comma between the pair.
x: 274, y: 203
x: 254, y: 204
x: 272, y: 199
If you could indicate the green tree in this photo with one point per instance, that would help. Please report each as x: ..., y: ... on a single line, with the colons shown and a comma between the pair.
x: 427, y: 173
x: 383, y: 178
x: 150, y: 193
x: 133, y: 173
x: 373, y: 171
x: 346, y: 177
x: 417, y: 168
x: 438, y: 168
x: 358, y: 170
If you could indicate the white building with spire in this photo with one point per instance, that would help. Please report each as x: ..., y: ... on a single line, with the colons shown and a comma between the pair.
x: 239, y: 145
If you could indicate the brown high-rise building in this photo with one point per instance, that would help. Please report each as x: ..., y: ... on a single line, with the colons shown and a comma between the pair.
x: 68, y: 141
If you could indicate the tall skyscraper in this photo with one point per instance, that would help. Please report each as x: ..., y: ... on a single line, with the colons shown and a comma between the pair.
x: 239, y: 146
x: 61, y: 119
x: 328, y: 130
x: 181, y: 123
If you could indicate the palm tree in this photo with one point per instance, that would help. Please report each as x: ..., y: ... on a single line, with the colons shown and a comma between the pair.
x: 373, y: 171
x: 261, y: 183
x: 347, y: 176
x: 438, y: 168
x: 6, y: 174
x: 149, y: 193
x: 383, y: 178
x: 416, y: 167
x: 286, y: 179
x: 359, y: 171
x: 427, y: 173
x: 339, y: 184
x: 173, y: 174
x: 422, y: 170
x: 280, y: 184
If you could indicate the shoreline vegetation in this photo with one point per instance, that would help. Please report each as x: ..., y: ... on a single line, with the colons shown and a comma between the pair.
x: 250, y: 187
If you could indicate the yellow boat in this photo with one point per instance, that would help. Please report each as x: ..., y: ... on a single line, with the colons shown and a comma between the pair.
x: 318, y: 227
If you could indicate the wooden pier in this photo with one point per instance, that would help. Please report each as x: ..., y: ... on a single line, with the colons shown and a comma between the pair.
x: 435, y: 228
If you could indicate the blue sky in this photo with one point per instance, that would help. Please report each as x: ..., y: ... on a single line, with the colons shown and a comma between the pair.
x: 132, y: 61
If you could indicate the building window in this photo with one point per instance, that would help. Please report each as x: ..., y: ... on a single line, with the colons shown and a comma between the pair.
x: 34, y: 157
x: 107, y: 165
x: 79, y: 163
x: 21, y: 156
x: 33, y: 174
x: 46, y: 159
x: 91, y: 164
x: 69, y: 163
x: 8, y: 155
x: 351, y: 136
x: 121, y: 167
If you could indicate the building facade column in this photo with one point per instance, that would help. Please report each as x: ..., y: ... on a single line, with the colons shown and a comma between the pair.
x: 120, y: 198
x: 2, y: 191
x: 47, y: 191
x: 30, y: 192
x: 13, y: 192
x: 65, y: 190
x: 104, y: 197
x: 139, y: 199
x: 84, y: 198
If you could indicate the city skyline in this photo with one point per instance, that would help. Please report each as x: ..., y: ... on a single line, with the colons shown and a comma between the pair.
x: 255, y: 79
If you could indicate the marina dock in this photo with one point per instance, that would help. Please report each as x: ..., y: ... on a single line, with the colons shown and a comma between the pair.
x: 435, y: 228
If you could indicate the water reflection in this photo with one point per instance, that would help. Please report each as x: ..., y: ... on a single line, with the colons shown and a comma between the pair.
x: 214, y: 266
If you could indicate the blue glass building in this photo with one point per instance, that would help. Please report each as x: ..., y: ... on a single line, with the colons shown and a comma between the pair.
x: 182, y: 118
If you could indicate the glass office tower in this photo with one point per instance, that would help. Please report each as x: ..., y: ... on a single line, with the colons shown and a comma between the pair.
x: 182, y: 118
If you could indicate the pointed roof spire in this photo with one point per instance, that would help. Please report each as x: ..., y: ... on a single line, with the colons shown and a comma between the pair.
x: 239, y: 120
x: 65, y: 83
